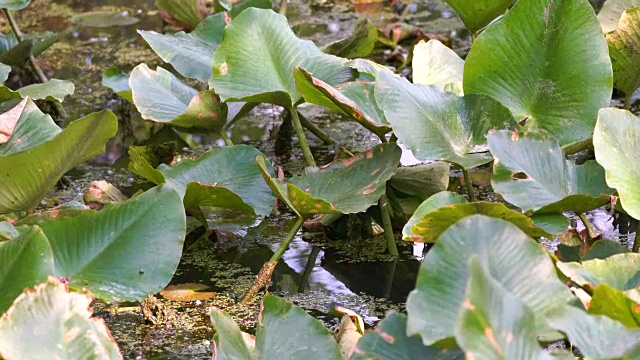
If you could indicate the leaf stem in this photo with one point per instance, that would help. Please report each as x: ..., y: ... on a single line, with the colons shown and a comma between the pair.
x: 316, y: 130
x: 587, y: 224
x: 32, y: 60
x: 383, y: 203
x: 636, y: 241
x: 225, y: 137
x: 264, y: 276
x: 297, y: 126
x: 627, y: 101
x: 469, y: 184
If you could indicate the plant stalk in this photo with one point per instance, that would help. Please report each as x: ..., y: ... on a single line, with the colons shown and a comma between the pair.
x: 587, y: 225
x: 383, y: 203
x: 297, y: 126
x: 32, y: 60
x: 316, y: 130
x: 264, y: 276
x: 225, y: 137
x: 469, y: 184
x: 627, y: 101
x: 636, y: 241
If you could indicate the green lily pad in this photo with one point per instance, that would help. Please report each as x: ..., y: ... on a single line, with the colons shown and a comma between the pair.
x: 5, y: 70
x: 184, y: 13
x: 477, y: 14
x: 620, y: 271
x: 355, y: 99
x: 29, y: 170
x: 333, y: 188
x: 438, y: 125
x: 12, y: 52
x: 433, y: 203
x: 258, y: 54
x: 597, y: 336
x: 123, y: 252
x: 546, y: 61
x: 390, y: 341
x: 435, y: 64
x: 614, y: 141
x: 494, y: 324
x: 25, y: 260
x: 530, y: 171
x: 616, y: 305
x: 554, y: 224
x: 504, y: 251
x: 623, y: 49
x: 190, y: 54
x: 421, y: 181
x: 430, y: 226
x: 359, y: 44
x: 612, y: 10
x: 224, y: 177
x: 117, y: 81
x: 284, y: 332
x: 54, y: 89
x: 103, y: 19
x: 160, y: 96
x: 14, y: 4
x: 64, y: 330
x: 604, y: 248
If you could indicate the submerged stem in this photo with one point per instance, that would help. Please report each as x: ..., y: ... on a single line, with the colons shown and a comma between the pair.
x: 587, y: 225
x: 225, y: 137
x: 383, y: 203
x: 297, y: 126
x: 469, y: 184
x: 264, y: 276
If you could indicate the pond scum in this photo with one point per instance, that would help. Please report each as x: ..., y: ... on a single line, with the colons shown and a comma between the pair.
x: 323, y: 180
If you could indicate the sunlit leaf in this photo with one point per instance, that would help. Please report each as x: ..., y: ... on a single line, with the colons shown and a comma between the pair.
x: 623, y: 49
x: 437, y: 65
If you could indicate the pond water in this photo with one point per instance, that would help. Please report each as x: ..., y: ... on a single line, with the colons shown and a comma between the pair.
x: 316, y: 272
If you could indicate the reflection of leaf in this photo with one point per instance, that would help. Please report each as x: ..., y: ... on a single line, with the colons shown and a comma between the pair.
x: 186, y: 292
x: 530, y: 171
x: 549, y: 64
x: 60, y: 321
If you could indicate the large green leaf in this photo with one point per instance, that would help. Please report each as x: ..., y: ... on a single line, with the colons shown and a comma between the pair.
x: 25, y: 127
x: 433, y: 203
x: 190, y: 54
x: 28, y: 175
x: 229, y: 341
x: 423, y: 180
x: 25, y: 260
x: 284, y: 332
x: 506, y: 253
x: 616, y: 305
x: 226, y: 177
x: 288, y: 332
x: 256, y: 58
x: 547, y: 61
x: 349, y: 185
x: 390, y: 341
x: 597, y: 336
x: 437, y: 65
x: 61, y: 323
x: 624, y: 45
x: 54, y: 89
x: 479, y: 13
x: 616, y: 141
x: 359, y: 44
x: 612, y: 10
x: 530, y: 171
x: 620, y: 271
x: 160, y: 96
x: 494, y: 324
x: 431, y: 225
x: 440, y: 126
x: 14, y: 4
x: 117, y: 81
x: 123, y: 252
x: 355, y: 99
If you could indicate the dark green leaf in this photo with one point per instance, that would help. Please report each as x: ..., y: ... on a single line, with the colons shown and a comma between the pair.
x: 479, y: 13
x: 359, y: 44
